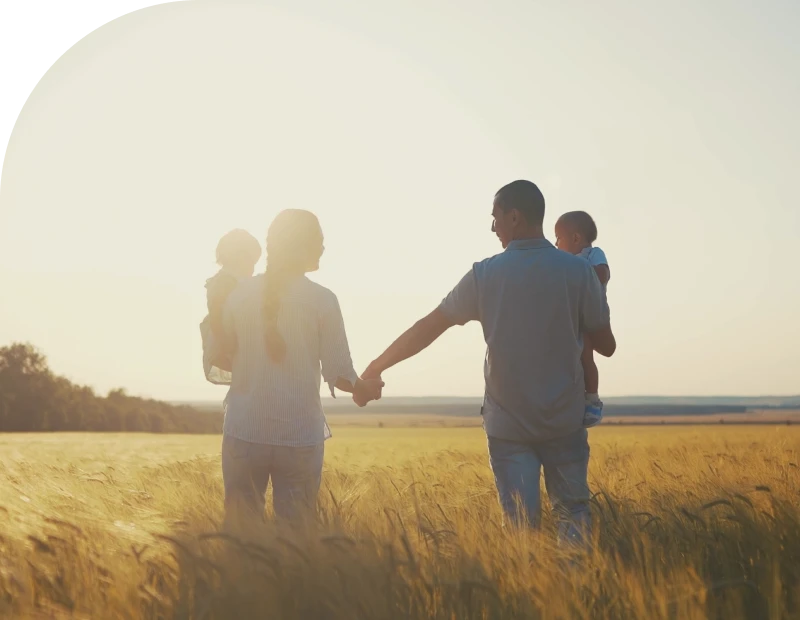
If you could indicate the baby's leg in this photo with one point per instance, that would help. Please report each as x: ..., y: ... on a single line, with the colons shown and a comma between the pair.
x: 593, y: 414
x: 591, y: 376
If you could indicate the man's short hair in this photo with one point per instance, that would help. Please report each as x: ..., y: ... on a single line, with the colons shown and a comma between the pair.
x: 525, y: 197
x: 582, y: 223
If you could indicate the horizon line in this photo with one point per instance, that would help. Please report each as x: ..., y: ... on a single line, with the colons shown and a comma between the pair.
x: 439, y: 397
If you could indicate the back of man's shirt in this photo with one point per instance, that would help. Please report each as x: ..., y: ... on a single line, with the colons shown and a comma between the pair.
x: 533, y: 302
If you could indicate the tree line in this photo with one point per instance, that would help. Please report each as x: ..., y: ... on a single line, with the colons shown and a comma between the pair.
x: 33, y: 398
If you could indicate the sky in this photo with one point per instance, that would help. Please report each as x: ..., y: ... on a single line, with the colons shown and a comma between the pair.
x: 134, y: 136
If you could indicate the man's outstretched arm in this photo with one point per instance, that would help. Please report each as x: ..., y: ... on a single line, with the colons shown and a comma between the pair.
x: 419, y: 337
x: 458, y: 308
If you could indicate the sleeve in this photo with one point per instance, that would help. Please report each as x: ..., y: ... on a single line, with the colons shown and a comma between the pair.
x: 334, y: 349
x: 597, y: 257
x: 594, y: 312
x: 461, y: 304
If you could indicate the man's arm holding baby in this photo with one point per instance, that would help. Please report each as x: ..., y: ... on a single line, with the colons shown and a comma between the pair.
x: 603, y: 273
x: 595, y: 316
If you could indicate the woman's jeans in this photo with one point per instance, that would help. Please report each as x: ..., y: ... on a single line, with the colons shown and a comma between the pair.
x: 295, y: 472
x: 565, y: 461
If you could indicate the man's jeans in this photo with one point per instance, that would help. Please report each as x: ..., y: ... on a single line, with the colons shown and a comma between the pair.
x: 296, y: 474
x: 565, y: 461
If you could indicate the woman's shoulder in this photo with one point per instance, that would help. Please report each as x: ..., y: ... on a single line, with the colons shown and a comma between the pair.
x: 323, y: 296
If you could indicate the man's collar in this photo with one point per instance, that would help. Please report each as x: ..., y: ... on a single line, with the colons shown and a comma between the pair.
x: 529, y: 244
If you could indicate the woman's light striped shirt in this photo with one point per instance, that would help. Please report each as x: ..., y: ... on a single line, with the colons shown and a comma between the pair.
x: 279, y: 404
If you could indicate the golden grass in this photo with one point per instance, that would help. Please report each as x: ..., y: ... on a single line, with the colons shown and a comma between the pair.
x: 689, y: 523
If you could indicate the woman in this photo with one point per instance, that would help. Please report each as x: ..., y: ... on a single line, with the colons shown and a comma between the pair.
x: 282, y: 328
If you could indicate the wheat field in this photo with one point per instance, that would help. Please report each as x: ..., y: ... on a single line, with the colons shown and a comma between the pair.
x: 689, y: 522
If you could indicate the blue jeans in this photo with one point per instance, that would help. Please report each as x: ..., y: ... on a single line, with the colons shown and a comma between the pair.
x: 565, y: 462
x: 248, y: 467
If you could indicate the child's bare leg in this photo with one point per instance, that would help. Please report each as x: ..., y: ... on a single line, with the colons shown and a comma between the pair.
x: 591, y: 376
x: 593, y: 413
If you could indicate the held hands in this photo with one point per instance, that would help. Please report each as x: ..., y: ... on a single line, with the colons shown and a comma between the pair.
x: 368, y: 388
x: 372, y: 372
x: 371, y: 375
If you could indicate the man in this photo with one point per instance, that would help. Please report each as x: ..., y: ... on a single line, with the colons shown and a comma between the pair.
x: 534, y: 302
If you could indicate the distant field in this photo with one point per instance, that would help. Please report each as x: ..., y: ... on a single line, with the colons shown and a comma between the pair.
x: 690, y: 522
x: 399, y: 413
x: 772, y: 416
x: 625, y: 405
x: 432, y: 420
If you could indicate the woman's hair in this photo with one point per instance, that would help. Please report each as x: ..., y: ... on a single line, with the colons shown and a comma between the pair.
x: 293, y: 241
x: 238, y: 247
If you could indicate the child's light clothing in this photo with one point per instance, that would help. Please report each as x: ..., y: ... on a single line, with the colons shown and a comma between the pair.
x: 216, y: 361
x: 595, y: 256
